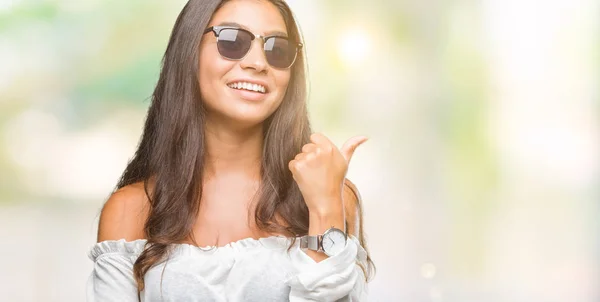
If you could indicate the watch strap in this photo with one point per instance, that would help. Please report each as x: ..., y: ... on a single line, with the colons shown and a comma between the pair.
x: 315, y: 243
x: 312, y: 242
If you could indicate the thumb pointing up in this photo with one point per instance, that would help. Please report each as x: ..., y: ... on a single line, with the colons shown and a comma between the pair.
x: 350, y: 146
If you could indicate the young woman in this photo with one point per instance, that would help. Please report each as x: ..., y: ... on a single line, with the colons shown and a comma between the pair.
x: 230, y: 197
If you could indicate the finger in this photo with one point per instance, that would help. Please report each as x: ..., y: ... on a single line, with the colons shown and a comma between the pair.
x: 320, y: 139
x: 350, y: 146
x: 292, y: 166
x: 309, y: 148
x: 300, y: 156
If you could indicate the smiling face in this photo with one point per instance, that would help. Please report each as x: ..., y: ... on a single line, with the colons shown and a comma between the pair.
x: 224, y: 83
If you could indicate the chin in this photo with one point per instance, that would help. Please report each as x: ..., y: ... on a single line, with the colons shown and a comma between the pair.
x: 245, y: 120
x: 250, y: 116
x: 240, y: 112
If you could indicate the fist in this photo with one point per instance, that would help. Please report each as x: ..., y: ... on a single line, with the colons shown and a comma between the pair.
x: 320, y: 170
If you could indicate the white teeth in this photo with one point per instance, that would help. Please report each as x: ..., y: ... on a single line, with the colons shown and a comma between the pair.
x: 248, y: 86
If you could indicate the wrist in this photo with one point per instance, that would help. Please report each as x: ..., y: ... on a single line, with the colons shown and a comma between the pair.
x: 322, y: 220
x: 325, y: 206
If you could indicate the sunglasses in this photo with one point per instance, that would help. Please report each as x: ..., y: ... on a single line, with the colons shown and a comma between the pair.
x: 235, y: 43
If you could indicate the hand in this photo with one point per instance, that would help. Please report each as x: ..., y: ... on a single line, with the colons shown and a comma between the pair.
x: 320, y: 171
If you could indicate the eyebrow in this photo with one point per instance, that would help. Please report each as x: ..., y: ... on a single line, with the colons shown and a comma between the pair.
x: 269, y: 33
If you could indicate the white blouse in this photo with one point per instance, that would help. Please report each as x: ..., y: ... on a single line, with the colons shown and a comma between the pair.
x: 245, y: 270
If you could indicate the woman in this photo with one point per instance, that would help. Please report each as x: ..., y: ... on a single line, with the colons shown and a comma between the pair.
x: 229, y: 196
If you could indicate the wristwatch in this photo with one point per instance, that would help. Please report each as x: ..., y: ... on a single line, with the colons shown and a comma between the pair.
x: 332, y: 242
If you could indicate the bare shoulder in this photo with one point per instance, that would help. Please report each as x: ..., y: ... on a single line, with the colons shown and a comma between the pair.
x: 352, y: 204
x: 124, y: 214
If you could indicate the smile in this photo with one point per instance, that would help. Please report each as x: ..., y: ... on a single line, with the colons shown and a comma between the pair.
x: 248, y: 86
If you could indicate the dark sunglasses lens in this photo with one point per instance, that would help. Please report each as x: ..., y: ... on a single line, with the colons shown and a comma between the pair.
x: 234, y: 44
x: 280, y: 52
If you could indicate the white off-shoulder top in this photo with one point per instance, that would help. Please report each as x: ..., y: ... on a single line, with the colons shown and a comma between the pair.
x: 245, y: 270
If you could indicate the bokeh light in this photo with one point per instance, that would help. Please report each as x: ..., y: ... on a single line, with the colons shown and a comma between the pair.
x: 354, y: 46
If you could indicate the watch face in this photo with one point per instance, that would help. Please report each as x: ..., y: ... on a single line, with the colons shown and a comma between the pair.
x: 334, y: 242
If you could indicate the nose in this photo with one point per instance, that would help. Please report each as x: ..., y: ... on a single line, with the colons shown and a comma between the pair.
x: 255, y: 59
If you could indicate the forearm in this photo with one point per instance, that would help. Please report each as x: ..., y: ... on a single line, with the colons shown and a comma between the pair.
x: 338, y: 278
x: 320, y: 221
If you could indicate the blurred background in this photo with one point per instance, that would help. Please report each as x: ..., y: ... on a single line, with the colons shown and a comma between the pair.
x: 480, y: 181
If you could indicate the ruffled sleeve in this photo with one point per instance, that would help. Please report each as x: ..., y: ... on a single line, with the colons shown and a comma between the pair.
x: 112, y: 276
x: 337, y: 278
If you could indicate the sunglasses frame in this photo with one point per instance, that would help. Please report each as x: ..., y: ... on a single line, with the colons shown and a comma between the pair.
x: 216, y: 30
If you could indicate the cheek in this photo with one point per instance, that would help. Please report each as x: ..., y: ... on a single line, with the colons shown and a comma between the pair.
x: 282, y: 82
x: 208, y: 67
x: 204, y: 72
x: 211, y: 69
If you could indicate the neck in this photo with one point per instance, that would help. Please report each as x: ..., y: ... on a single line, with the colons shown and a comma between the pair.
x: 233, y: 151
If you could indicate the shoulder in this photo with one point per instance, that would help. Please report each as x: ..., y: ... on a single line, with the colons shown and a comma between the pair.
x: 124, y: 214
x: 352, y: 206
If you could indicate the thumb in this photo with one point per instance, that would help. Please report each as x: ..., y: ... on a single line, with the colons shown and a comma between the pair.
x: 350, y: 146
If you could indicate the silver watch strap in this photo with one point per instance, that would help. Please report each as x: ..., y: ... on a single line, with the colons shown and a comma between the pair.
x: 311, y: 242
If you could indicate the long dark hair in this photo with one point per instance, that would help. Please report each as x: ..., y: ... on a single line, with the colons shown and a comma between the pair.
x: 169, y: 158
